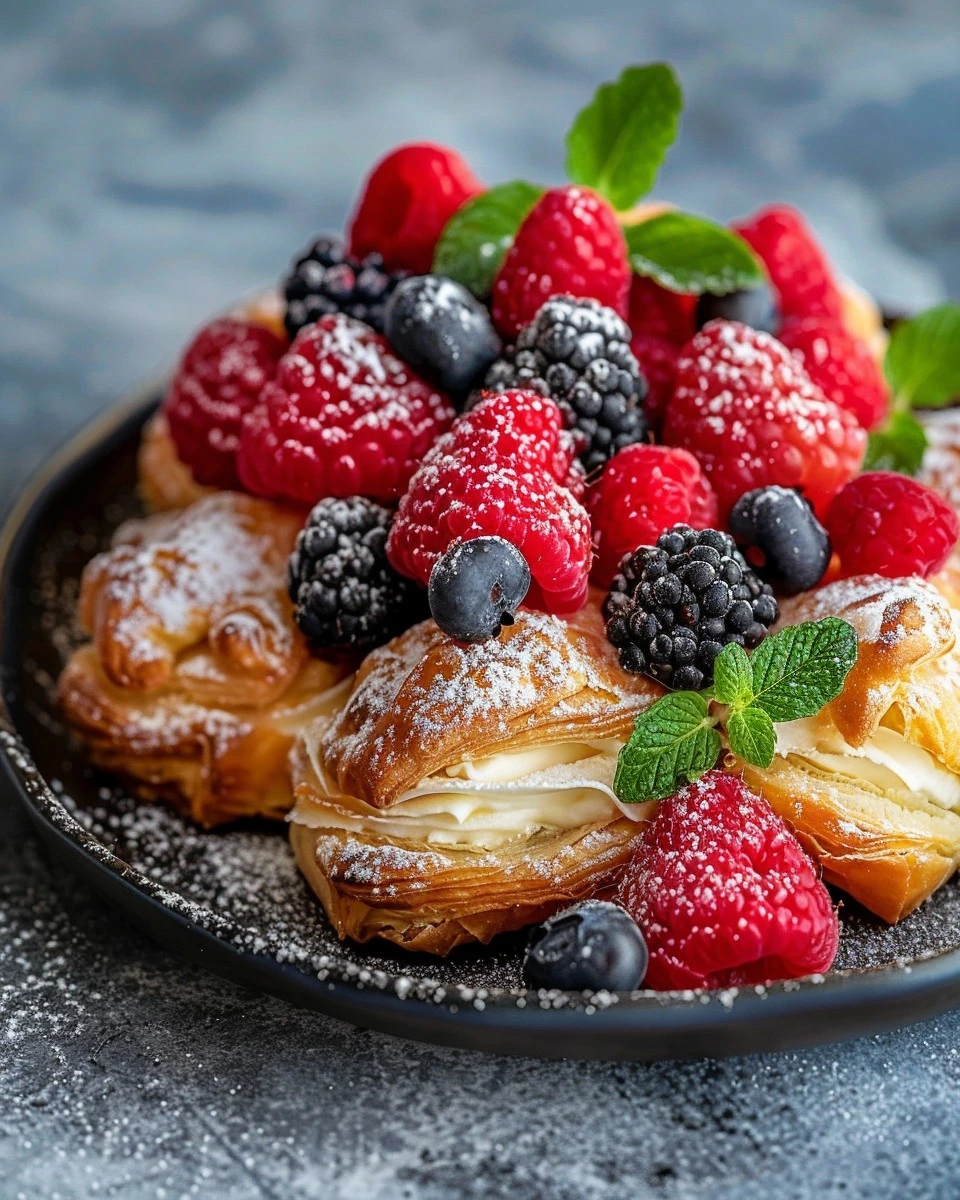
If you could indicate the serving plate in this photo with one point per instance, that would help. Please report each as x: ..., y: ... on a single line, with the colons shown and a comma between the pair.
x: 234, y: 902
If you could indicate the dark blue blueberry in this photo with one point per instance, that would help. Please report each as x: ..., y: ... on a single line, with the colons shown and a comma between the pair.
x: 755, y: 307
x: 442, y: 330
x: 591, y: 947
x: 780, y: 523
x: 476, y: 588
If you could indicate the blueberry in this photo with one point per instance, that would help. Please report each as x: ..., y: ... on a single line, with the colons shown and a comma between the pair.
x: 755, y: 307
x: 593, y: 946
x: 476, y: 587
x: 780, y: 523
x: 441, y: 330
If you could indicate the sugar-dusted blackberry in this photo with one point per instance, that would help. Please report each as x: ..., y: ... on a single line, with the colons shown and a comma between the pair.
x: 347, y: 595
x: 325, y: 279
x: 578, y: 352
x: 675, y: 605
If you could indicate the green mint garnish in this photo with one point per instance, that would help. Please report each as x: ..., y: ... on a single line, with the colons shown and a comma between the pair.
x: 923, y: 359
x: 791, y: 674
x: 898, y: 446
x: 617, y: 144
x: 478, y: 235
x: 690, y: 254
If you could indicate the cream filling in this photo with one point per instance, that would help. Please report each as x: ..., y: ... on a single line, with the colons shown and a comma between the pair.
x: 484, y: 803
x: 887, y: 760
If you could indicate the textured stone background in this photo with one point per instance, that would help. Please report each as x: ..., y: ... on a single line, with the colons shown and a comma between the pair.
x: 157, y: 160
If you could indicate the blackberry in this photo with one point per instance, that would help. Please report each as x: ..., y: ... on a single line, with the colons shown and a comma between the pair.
x: 578, y: 352
x: 347, y: 595
x: 325, y: 279
x: 675, y: 605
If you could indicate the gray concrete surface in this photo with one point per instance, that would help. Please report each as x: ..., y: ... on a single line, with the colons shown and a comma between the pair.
x: 155, y: 161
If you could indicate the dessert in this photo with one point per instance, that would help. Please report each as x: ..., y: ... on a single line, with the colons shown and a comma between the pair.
x: 536, y: 547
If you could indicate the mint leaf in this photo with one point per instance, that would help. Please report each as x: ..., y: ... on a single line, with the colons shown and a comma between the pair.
x: 898, y: 446
x: 923, y: 358
x: 478, y: 235
x: 752, y: 736
x: 673, y: 742
x: 690, y: 254
x: 733, y: 676
x: 800, y: 669
x: 618, y: 142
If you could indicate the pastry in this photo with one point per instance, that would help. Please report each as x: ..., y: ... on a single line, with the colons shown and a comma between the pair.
x: 461, y: 791
x: 196, y: 678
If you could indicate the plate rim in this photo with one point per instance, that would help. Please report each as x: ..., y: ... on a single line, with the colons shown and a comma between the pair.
x: 641, y: 1026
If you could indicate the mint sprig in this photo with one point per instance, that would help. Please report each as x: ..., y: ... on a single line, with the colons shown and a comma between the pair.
x: 691, y: 254
x: 898, y: 446
x: 792, y: 674
x: 475, y: 240
x: 617, y: 144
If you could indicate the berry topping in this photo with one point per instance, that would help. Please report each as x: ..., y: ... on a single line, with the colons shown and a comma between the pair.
x: 675, y: 605
x: 660, y: 313
x: 841, y: 365
x: 220, y: 378
x: 755, y: 307
x: 594, y: 946
x: 326, y: 280
x: 643, y: 492
x: 724, y: 893
x: 745, y: 407
x: 800, y: 272
x: 569, y: 243
x: 347, y: 595
x: 578, y: 353
x: 658, y: 363
x: 888, y: 524
x: 794, y: 548
x: 344, y: 417
x: 506, y: 469
x: 407, y: 199
x: 442, y: 330
x: 476, y: 588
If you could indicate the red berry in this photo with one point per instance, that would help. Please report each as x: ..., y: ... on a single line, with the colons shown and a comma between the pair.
x: 408, y: 198
x: 644, y: 491
x: 220, y: 378
x: 745, y: 407
x: 799, y: 270
x: 658, y: 362
x: 888, y: 524
x: 570, y: 243
x: 505, y: 469
x: 841, y: 365
x: 344, y: 417
x: 657, y: 311
x: 724, y: 893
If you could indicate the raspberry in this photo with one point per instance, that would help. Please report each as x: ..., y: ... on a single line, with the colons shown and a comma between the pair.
x: 220, y: 378
x: 506, y: 469
x: 724, y: 893
x: 745, y: 407
x: 643, y: 491
x: 799, y: 269
x: 343, y: 417
x: 661, y: 313
x: 569, y: 243
x: 658, y: 362
x: 841, y: 365
x: 888, y: 524
x: 408, y: 198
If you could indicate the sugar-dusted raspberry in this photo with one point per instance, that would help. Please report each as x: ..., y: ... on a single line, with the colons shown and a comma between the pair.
x: 660, y: 313
x: 219, y: 378
x: 888, y: 524
x: 570, y: 243
x: 658, y: 362
x: 745, y: 407
x: 843, y: 366
x: 799, y: 270
x: 343, y: 417
x: 724, y: 893
x: 504, y: 470
x: 644, y: 491
x: 407, y: 199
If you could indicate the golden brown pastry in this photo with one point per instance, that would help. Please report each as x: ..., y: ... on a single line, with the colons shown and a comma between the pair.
x: 461, y: 791
x: 196, y: 677
x: 164, y: 481
x: 872, y: 783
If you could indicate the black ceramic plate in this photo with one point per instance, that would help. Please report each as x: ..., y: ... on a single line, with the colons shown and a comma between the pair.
x: 234, y: 901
